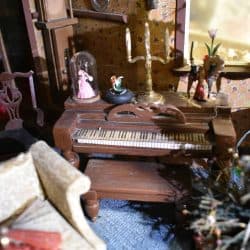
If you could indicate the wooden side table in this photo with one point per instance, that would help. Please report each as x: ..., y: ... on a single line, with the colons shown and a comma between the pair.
x: 134, y: 180
x: 229, y: 72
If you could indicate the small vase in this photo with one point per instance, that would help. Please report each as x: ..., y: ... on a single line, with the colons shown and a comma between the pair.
x: 213, y: 65
x: 210, y: 82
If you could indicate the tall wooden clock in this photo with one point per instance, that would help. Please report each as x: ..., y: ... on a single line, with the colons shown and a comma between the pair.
x: 55, y: 20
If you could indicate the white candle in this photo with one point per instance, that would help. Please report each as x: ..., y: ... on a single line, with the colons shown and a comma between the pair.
x: 128, y: 44
x: 166, y: 40
x: 70, y: 9
x: 147, y: 39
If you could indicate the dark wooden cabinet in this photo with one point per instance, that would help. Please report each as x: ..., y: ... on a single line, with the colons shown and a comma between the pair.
x: 56, y: 25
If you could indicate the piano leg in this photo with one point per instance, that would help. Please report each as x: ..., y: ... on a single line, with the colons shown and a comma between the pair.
x: 72, y: 157
x: 91, y: 205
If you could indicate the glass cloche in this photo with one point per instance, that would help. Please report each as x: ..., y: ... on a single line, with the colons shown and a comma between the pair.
x: 83, y: 75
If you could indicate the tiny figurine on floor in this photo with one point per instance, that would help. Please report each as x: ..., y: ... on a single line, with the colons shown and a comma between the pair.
x: 118, y: 94
x: 199, y: 94
x: 85, y: 89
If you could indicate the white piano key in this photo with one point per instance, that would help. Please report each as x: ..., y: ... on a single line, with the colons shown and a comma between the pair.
x: 142, y: 139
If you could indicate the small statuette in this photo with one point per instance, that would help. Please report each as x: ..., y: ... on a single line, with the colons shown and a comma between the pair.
x: 83, y: 74
x: 117, y: 84
x: 118, y: 94
x: 85, y: 90
x: 200, y: 89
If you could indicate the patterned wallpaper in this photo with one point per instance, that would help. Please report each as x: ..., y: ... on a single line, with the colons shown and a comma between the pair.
x: 238, y: 91
x: 106, y: 41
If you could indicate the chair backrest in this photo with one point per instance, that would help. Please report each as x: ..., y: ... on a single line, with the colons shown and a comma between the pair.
x: 11, y: 97
x: 19, y: 185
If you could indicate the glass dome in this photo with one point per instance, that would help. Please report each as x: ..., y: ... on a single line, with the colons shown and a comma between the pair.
x: 83, y: 76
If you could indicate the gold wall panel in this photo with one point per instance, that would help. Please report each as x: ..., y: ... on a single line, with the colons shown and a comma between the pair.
x: 106, y: 41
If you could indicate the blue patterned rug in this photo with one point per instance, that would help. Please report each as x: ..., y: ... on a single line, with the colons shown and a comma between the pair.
x: 135, y: 225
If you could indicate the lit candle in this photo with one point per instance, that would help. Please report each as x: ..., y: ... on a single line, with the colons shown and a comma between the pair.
x: 128, y: 44
x: 166, y: 40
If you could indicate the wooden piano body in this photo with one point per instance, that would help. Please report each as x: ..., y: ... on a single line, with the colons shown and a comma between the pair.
x: 213, y: 123
x: 179, y: 130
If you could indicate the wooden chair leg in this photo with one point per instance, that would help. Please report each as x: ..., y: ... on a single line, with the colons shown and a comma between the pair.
x: 91, y: 205
x: 72, y: 157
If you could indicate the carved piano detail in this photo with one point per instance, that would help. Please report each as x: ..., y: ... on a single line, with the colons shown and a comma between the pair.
x: 128, y: 119
x: 144, y: 113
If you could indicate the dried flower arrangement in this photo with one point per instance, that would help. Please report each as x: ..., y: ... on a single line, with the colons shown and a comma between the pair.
x: 213, y: 64
x: 219, y: 213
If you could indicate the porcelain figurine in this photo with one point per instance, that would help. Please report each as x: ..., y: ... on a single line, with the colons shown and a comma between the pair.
x: 118, y: 94
x: 117, y: 84
x: 83, y: 75
x: 199, y: 94
x: 85, y: 89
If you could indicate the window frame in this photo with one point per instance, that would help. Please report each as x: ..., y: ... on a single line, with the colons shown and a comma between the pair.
x: 182, y: 37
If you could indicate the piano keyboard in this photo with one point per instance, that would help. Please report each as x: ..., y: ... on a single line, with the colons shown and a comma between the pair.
x: 142, y: 139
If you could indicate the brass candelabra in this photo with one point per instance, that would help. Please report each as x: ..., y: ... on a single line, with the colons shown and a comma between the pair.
x: 149, y: 95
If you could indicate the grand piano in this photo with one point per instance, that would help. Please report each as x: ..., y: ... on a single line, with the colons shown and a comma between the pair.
x: 177, y: 129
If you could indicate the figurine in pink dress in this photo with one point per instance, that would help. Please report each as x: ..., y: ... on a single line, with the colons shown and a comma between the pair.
x: 85, y: 89
x: 199, y: 94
